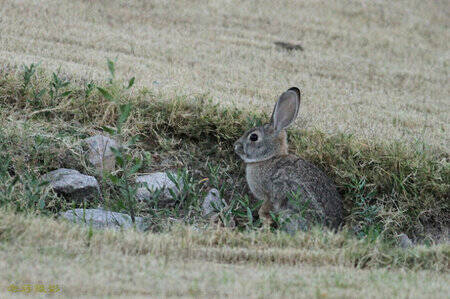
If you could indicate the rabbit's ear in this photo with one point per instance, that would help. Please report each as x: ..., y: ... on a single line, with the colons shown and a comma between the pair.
x: 286, y: 109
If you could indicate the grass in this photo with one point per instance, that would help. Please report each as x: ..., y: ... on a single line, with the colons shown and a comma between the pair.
x: 387, y: 187
x: 378, y: 70
x: 212, y: 262
x: 183, y: 81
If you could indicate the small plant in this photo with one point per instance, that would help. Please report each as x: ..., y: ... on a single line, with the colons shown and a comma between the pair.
x: 24, y: 193
x: 129, y: 165
x: 37, y: 97
x: 364, y: 212
x: 89, y: 235
x: 216, y: 178
x: 88, y: 88
x: 28, y: 72
x: 279, y: 219
x: 130, y: 83
x: 244, y: 211
x: 241, y: 211
x: 188, y: 197
x: 226, y: 217
x: 7, y: 182
x: 35, y: 192
x: 112, y: 69
x: 112, y: 72
x: 55, y: 87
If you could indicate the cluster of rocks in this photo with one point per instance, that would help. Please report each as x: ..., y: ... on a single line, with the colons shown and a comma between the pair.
x: 78, y: 187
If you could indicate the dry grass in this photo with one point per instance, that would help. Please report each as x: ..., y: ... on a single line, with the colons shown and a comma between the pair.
x: 375, y: 83
x: 190, y: 262
x: 374, y: 69
x: 181, y: 263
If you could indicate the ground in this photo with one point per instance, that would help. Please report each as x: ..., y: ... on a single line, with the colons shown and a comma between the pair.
x: 40, y: 251
x: 374, y: 116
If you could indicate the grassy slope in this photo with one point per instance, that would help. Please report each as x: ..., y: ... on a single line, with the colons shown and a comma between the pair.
x: 374, y: 69
x: 387, y: 187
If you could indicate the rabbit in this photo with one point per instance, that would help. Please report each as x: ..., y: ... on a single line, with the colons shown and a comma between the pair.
x: 273, y: 175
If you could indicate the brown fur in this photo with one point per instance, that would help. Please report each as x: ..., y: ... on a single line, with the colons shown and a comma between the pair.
x: 273, y: 175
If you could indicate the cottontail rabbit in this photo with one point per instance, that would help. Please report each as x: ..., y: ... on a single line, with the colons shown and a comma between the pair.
x: 274, y: 176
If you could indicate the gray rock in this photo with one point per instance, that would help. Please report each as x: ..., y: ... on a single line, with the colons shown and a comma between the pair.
x: 99, y: 218
x: 404, y: 241
x: 99, y: 152
x: 212, y: 203
x: 72, y: 184
x: 158, y: 181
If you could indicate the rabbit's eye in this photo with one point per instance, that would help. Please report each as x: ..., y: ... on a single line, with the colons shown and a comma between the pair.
x: 253, y: 137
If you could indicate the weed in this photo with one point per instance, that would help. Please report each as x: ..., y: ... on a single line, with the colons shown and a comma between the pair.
x: 56, y: 86
x: 240, y: 212
x: 89, y: 235
x: 7, y: 182
x: 214, y: 175
x: 130, y: 83
x: 188, y: 197
x: 112, y: 69
x: 28, y: 72
x: 35, y: 192
x: 24, y: 192
x: 128, y: 164
x: 122, y: 179
x: 243, y: 210
x: 88, y: 88
x: 364, y: 211
x: 36, y: 101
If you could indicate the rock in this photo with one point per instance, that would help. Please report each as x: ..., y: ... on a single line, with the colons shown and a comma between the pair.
x: 212, y: 203
x: 158, y: 181
x: 99, y: 152
x: 72, y: 184
x: 99, y: 218
x: 404, y: 241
